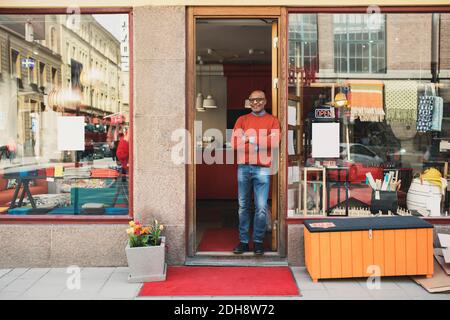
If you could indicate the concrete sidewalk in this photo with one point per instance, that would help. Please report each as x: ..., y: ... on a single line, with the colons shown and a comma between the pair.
x: 111, y: 283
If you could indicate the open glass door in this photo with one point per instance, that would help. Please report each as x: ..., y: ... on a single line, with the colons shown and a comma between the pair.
x: 274, y: 211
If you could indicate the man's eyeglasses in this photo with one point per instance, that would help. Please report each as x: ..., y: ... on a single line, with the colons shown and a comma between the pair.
x: 257, y: 100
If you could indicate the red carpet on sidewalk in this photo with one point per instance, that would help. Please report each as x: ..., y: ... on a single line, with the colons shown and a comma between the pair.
x: 224, y: 240
x: 224, y: 281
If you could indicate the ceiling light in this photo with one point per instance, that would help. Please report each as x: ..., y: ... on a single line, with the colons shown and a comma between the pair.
x: 209, y: 103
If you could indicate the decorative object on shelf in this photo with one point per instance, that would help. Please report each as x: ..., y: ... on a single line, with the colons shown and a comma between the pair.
x: 146, y: 252
x: 425, y: 193
x: 366, y: 100
x: 401, y: 101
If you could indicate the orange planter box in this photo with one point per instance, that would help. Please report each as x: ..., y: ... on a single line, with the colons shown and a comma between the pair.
x: 363, y: 247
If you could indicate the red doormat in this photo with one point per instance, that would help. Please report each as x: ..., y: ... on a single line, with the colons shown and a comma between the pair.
x: 224, y: 281
x: 224, y: 240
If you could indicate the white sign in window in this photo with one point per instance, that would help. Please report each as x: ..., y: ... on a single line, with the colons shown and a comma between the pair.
x: 325, y: 140
x: 70, y: 133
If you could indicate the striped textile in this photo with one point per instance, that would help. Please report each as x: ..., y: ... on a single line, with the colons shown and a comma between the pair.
x: 366, y: 100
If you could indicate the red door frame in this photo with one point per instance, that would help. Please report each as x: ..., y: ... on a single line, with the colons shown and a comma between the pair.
x: 73, y: 219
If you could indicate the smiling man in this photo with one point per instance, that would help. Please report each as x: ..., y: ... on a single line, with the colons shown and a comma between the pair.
x: 255, y: 136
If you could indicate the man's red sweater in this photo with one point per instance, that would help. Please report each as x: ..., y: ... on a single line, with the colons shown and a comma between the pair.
x: 264, y: 134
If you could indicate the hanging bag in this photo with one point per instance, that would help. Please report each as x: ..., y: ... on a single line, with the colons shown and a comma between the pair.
x: 438, y: 112
x: 425, y: 111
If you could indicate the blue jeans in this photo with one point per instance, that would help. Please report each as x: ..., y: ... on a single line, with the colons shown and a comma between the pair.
x: 258, y: 178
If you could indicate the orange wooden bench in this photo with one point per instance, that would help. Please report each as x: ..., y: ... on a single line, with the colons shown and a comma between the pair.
x: 364, y: 247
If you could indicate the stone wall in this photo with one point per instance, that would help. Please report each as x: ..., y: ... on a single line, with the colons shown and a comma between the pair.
x: 159, y: 109
x: 62, y: 245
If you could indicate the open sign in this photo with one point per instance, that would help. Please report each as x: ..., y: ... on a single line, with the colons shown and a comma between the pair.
x: 322, y: 113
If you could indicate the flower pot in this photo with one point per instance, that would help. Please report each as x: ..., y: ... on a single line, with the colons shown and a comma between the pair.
x: 147, y: 264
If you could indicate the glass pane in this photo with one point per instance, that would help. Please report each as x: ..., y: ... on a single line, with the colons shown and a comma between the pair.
x: 358, y: 64
x: 352, y: 65
x: 365, y: 51
x: 352, y: 50
x: 302, y: 29
x: 365, y: 65
x: 65, y: 121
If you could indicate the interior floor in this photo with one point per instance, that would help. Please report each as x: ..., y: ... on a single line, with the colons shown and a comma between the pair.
x: 217, y: 228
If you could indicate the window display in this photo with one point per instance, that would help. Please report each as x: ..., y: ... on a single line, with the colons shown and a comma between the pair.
x: 58, y: 139
x: 381, y: 85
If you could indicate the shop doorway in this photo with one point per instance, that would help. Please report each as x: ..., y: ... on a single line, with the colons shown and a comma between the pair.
x: 233, y: 57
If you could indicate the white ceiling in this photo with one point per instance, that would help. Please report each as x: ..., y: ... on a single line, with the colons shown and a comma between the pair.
x: 230, y: 40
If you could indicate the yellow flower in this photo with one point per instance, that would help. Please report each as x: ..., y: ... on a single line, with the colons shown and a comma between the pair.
x: 161, y: 227
x: 131, y: 223
x: 130, y: 230
x: 156, y: 221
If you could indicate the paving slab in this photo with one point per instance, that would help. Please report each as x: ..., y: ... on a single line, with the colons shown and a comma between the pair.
x: 397, y: 294
x: 25, y: 281
x: 349, y: 293
x: 4, y: 271
x: 314, y: 294
x: 11, y: 277
x: 117, y: 287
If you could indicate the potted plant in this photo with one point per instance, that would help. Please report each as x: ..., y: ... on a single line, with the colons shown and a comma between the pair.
x: 146, y: 252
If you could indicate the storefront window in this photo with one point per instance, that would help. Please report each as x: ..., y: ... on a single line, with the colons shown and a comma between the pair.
x: 61, y: 151
x: 369, y: 132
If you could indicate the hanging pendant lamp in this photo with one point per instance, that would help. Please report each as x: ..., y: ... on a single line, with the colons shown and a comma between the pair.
x: 209, y: 102
x: 199, y: 102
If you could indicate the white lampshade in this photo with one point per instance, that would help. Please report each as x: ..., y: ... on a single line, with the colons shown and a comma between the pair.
x: 209, y: 103
x: 199, y: 101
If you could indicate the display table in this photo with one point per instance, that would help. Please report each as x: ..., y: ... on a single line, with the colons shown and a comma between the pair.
x: 359, y: 247
x: 119, y: 189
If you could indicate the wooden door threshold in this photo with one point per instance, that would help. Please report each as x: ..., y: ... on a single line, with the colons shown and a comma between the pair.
x: 247, y: 259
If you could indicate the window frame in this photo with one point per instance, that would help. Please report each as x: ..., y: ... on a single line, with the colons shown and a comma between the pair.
x: 303, y: 49
x: 347, y: 42
x: 81, y: 219
x: 348, y: 10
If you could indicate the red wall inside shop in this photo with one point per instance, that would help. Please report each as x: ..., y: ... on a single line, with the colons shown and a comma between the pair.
x: 219, y: 181
x: 243, y: 79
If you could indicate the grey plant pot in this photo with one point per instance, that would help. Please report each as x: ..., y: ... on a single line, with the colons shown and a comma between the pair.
x: 147, y: 264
